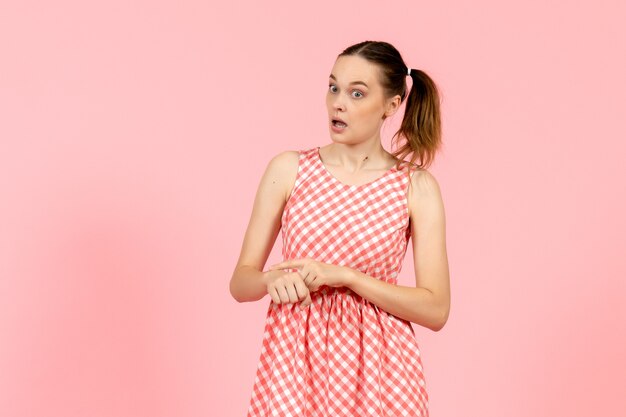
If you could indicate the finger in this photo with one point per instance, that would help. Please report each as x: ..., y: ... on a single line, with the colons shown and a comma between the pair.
x: 314, y: 284
x: 309, y: 277
x: 290, y: 263
x: 306, y: 302
x: 293, y: 293
x: 280, y: 265
x: 302, y: 290
x: 282, y: 293
x: 274, y: 294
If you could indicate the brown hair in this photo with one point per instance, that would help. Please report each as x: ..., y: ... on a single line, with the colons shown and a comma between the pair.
x: 421, y: 125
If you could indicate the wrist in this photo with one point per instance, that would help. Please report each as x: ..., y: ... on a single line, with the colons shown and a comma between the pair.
x: 350, y: 277
x: 269, y: 274
x: 265, y: 276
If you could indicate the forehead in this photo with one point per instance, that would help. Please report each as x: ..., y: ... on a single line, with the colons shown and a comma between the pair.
x: 353, y: 68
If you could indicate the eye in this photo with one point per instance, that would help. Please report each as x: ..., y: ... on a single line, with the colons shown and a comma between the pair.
x: 331, y: 86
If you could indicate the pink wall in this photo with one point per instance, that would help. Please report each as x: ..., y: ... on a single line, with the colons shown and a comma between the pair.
x: 132, y: 139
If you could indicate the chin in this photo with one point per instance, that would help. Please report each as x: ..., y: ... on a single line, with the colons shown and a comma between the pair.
x: 338, y: 138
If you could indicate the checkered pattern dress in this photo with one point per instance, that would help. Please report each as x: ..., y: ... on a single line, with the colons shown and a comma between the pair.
x: 343, y: 355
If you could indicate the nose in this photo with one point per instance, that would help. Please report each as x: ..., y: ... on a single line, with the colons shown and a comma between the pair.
x: 338, y: 103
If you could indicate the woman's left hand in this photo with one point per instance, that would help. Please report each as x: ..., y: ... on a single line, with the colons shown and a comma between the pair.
x: 315, y: 273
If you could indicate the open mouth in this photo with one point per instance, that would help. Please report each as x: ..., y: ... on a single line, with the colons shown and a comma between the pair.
x: 339, y: 124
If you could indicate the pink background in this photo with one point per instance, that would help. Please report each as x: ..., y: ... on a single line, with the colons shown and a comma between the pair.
x: 133, y: 136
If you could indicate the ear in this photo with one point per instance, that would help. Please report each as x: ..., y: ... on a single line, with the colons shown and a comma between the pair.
x: 392, y: 105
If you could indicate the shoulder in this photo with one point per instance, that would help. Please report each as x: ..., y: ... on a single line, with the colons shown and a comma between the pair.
x: 424, y: 193
x: 423, y: 181
x: 284, y: 161
x: 283, y: 169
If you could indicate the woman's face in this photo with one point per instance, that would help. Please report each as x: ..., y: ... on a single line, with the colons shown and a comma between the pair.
x: 360, y: 106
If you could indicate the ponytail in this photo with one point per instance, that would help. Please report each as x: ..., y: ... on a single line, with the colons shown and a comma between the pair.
x: 421, y: 124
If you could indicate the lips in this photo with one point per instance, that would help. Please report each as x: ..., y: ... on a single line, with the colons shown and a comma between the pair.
x: 337, y: 122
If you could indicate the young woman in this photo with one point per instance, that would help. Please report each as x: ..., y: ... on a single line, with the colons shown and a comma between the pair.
x: 338, y: 338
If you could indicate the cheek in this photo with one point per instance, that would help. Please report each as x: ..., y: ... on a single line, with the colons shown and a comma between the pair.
x: 367, y: 115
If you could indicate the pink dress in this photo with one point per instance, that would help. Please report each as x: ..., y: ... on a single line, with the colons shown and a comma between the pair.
x: 343, y: 355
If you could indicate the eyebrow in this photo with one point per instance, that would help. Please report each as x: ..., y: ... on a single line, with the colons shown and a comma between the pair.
x: 353, y: 82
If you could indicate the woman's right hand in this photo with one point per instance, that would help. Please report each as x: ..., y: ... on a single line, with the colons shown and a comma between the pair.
x: 287, y: 287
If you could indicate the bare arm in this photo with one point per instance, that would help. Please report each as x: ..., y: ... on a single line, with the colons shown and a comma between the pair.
x: 428, y: 304
x: 249, y: 282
